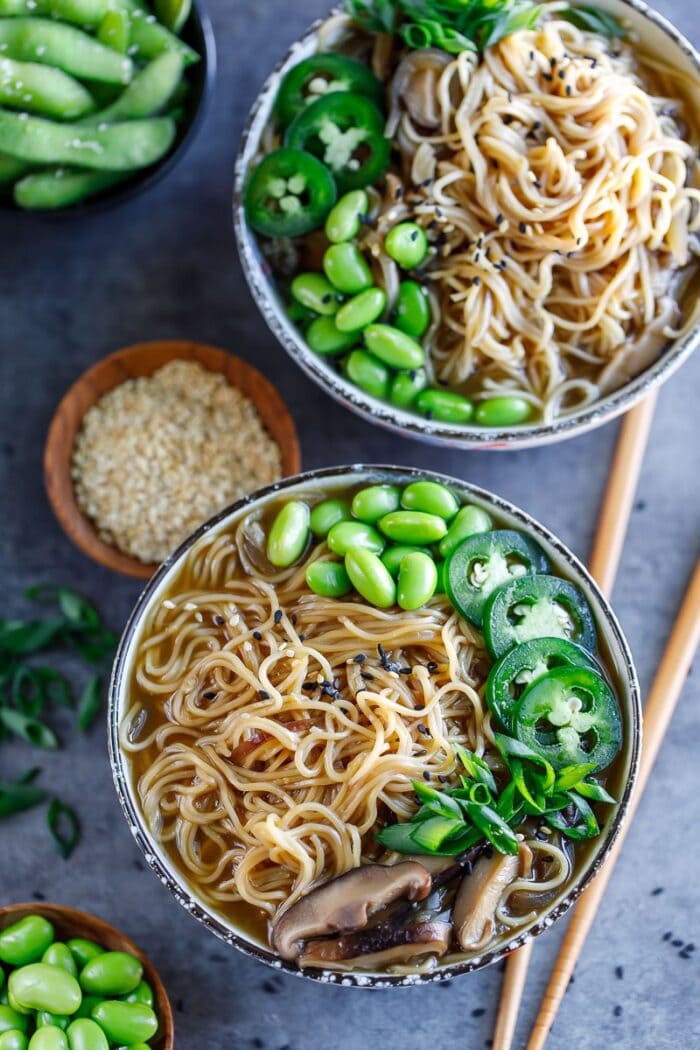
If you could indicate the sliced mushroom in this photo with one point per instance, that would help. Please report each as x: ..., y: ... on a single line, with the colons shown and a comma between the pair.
x: 474, y: 914
x: 379, y: 947
x: 347, y: 902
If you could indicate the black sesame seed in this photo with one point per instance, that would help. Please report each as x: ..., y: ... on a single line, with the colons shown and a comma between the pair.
x: 522, y: 227
x: 442, y: 779
x: 619, y: 972
x: 360, y: 658
x: 399, y: 193
x: 426, y: 775
x: 38, y: 895
x: 327, y: 298
x: 657, y: 891
x: 476, y: 281
x: 569, y: 89
x: 552, y: 62
x: 405, y: 670
x: 617, y: 1011
x: 684, y: 954
x: 423, y: 729
x: 302, y: 637
x: 257, y: 635
x: 537, y: 125
x: 426, y: 182
x: 561, y: 74
x: 667, y: 936
x: 532, y: 56
x: 548, y: 77
x: 265, y: 695
x: 278, y: 615
x: 308, y: 687
x: 414, y: 235
x: 690, y: 947
x: 508, y: 118
x: 479, y: 1012
x: 209, y: 695
x: 367, y: 676
x: 570, y: 255
x: 219, y: 620
x: 432, y: 667
x: 499, y: 218
x: 677, y: 943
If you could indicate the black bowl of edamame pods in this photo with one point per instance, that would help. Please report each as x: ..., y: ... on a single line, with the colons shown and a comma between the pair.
x: 98, y: 101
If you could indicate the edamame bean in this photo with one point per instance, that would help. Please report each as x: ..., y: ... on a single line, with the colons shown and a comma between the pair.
x: 346, y: 268
x: 86, y: 1034
x: 44, y: 1019
x: 430, y: 497
x: 502, y: 411
x: 148, y: 93
x: 372, y: 503
x: 33, y: 88
x: 393, y: 556
x: 325, y: 338
x: 83, y: 950
x: 445, y: 406
x: 327, y: 514
x: 469, y: 520
x: 13, y: 1039
x: 118, y: 147
x: 63, y: 47
x: 367, y: 371
x: 349, y: 535
x: 50, y: 1038
x: 406, y: 386
x: 26, y: 941
x: 288, y: 536
x: 51, y: 190
x: 418, y: 579
x: 314, y: 291
x: 413, y: 527
x: 113, y: 31
x: 393, y: 347
x: 125, y: 1022
x: 406, y: 244
x: 59, y: 954
x: 41, y: 987
x: 111, y: 974
x: 345, y: 217
x: 361, y: 310
x: 370, y: 578
x: 412, y: 309
x: 328, y: 579
x: 10, y: 1019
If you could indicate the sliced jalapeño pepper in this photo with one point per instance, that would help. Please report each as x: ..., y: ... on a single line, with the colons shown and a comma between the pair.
x: 346, y: 132
x: 320, y: 75
x: 569, y: 717
x: 524, y: 665
x: 289, y: 193
x: 537, y: 607
x: 483, y: 562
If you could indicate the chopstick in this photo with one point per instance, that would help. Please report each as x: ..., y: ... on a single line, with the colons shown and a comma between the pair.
x: 663, y: 697
x: 613, y: 519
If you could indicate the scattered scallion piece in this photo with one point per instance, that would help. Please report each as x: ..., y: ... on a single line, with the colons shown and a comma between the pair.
x: 64, y: 827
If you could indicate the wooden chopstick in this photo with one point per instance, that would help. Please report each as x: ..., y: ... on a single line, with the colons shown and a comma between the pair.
x: 663, y: 697
x: 613, y: 519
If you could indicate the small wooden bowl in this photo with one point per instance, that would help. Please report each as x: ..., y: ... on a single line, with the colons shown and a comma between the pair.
x: 144, y: 359
x: 69, y: 922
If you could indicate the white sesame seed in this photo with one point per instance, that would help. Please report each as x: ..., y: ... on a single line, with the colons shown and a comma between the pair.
x: 167, y: 604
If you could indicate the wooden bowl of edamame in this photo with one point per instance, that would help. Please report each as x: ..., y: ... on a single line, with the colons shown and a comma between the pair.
x: 78, y: 927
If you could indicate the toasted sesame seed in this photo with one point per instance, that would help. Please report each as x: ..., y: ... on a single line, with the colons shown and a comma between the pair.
x: 167, y: 604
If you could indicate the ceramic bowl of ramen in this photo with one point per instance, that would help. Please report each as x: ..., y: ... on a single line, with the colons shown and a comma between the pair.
x: 536, y: 252
x: 374, y: 726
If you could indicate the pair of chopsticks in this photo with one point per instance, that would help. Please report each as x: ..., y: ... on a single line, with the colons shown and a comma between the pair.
x: 663, y: 696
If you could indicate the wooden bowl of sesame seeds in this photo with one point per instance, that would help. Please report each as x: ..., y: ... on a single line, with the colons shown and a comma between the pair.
x: 133, y: 363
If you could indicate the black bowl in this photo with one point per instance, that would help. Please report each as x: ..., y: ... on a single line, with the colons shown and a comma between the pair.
x: 199, y: 34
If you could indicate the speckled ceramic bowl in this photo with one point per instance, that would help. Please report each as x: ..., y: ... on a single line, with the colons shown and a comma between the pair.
x: 660, y: 37
x: 611, y: 637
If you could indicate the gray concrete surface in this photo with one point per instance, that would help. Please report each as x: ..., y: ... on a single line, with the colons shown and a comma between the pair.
x: 166, y: 266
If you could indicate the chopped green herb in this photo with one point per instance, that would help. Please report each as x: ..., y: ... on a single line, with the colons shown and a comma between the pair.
x: 89, y: 703
x: 64, y: 827
x: 594, y: 20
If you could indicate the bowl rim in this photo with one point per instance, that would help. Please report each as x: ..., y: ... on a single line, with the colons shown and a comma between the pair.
x: 177, y: 886
x: 465, y: 436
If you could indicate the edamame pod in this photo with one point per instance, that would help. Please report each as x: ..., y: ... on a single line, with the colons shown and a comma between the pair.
x: 149, y: 38
x: 445, y: 406
x: 361, y: 310
x: 26, y: 940
x: 10, y: 1020
x: 406, y: 244
x: 113, y: 31
x: 393, y: 347
x: 349, y: 535
x: 11, y: 168
x: 13, y: 1039
x: 370, y: 578
x: 173, y: 13
x: 345, y: 217
x: 329, y: 579
x: 60, y: 188
x: 346, y: 269
x: 413, y: 527
x: 83, y: 950
x: 367, y: 371
x: 126, y: 1022
x: 33, y: 88
x: 327, y: 514
x: 406, y: 386
x: 59, y: 954
x: 65, y: 47
x: 469, y: 520
x: 412, y: 309
x: 49, y: 1038
x: 147, y: 94
x: 372, y: 503
x: 85, y: 13
x: 431, y: 497
x: 86, y: 1034
x: 393, y: 556
x: 41, y: 987
x: 289, y: 534
x: 118, y: 147
x: 417, y: 581
x: 325, y: 338
x: 316, y: 292
x: 502, y: 411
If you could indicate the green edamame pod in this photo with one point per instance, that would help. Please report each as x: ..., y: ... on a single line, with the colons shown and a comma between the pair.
x: 113, y: 31
x: 84, y: 13
x: 111, y: 974
x: 412, y: 309
x: 327, y: 514
x: 173, y: 13
x: 86, y: 1034
x: 469, y: 520
x: 393, y: 347
x: 370, y: 578
x: 149, y: 38
x: 10, y: 1020
x: 288, y: 534
x: 346, y: 269
x: 13, y: 1039
x: 65, y: 47
x: 83, y: 950
x: 44, y: 1019
x: 118, y: 147
x: 406, y: 386
x: 147, y: 94
x: 41, y: 987
x: 25, y: 941
x: 59, y: 954
x: 325, y: 338
x: 502, y: 411
x: 329, y: 579
x: 367, y: 371
x: 406, y: 244
x: 417, y: 581
x: 11, y: 168
x: 431, y: 497
x: 316, y: 292
x: 126, y: 1022
x: 345, y: 217
x: 33, y: 88
x: 393, y: 556
x: 413, y: 527
x: 372, y: 503
x: 50, y: 1038
x: 445, y: 406
x: 361, y: 310
x: 349, y: 535
x: 60, y: 188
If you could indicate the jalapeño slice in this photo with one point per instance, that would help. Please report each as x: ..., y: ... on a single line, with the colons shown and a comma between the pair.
x: 537, y: 607
x: 570, y: 716
x: 526, y: 664
x: 346, y: 132
x: 321, y: 75
x: 289, y: 193
x: 485, y: 561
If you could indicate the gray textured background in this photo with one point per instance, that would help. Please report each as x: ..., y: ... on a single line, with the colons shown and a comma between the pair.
x: 166, y: 266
